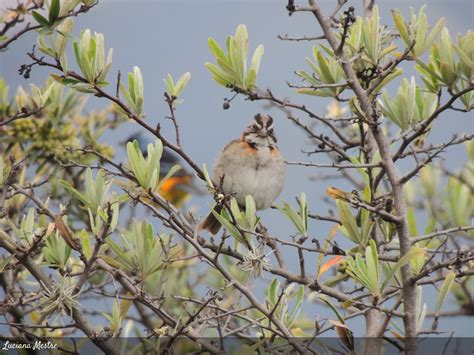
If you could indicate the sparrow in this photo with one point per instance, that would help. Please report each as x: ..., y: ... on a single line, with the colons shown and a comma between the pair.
x: 251, y: 165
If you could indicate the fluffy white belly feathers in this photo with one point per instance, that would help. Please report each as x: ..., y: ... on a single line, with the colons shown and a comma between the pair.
x: 259, y: 173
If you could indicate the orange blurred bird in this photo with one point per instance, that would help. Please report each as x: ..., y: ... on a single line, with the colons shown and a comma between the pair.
x: 178, y: 188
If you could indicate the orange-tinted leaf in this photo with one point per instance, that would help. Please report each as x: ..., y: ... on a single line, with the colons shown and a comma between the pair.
x: 344, y: 333
x: 326, y: 244
x: 336, y: 193
x: 338, y: 323
x: 49, y: 230
x: 65, y: 232
x: 398, y: 335
x: 57, y: 78
x: 333, y: 232
x: 330, y: 263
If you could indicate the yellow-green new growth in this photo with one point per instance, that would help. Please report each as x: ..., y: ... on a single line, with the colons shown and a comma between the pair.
x: 231, y: 69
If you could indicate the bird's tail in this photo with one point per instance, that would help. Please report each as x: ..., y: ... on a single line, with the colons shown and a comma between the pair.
x: 211, y: 223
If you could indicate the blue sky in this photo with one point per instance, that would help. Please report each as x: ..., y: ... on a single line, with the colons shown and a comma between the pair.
x: 164, y: 37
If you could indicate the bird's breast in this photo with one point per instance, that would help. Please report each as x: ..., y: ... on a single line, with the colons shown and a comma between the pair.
x: 259, y: 173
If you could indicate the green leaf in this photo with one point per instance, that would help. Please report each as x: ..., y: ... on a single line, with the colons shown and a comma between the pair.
x: 251, y: 78
x: 296, y: 310
x: 124, y: 259
x: 216, y: 50
x: 372, y: 260
x: 73, y: 191
x: 54, y: 11
x: 256, y: 58
x: 444, y: 290
x: 334, y: 309
x: 219, y: 75
x: 412, y: 222
x: 4, y: 262
x: 169, y: 84
x: 291, y: 213
x: 2, y: 169
x: 250, y: 212
x: 348, y: 221
x: 234, y: 232
x: 415, y: 251
x: 182, y: 83
x: 231, y: 69
x: 304, y: 210
x: 207, y: 178
x: 138, y: 81
x: 86, y: 244
x: 326, y: 74
x: 40, y: 19
x: 137, y: 162
x: 395, y: 73
x: 238, y: 51
x: 272, y: 292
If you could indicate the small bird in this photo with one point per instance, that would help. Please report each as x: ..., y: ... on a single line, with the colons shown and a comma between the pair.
x: 251, y: 165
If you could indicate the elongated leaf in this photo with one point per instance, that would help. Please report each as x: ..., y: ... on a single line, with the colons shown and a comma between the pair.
x: 330, y: 263
x: 4, y: 262
x: 235, y: 209
x: 66, y: 185
x: 54, y: 11
x: 333, y: 308
x: 272, y: 292
x: 125, y: 305
x: 257, y: 57
x: 40, y: 19
x: 124, y: 259
x: 336, y: 194
x: 170, y: 173
x: 219, y: 75
x: 86, y: 245
x: 404, y: 260
x: 297, y: 308
x: 234, y: 232
x: 291, y: 213
x: 304, y: 210
x: 327, y: 242
x: 250, y: 212
x: 216, y: 50
x: 348, y: 221
x: 182, y: 83
x: 65, y: 232
x: 372, y: 261
x: 111, y: 261
x: 401, y: 26
x: 444, y: 290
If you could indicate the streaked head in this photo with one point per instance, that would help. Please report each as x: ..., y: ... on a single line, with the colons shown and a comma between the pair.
x: 260, y: 131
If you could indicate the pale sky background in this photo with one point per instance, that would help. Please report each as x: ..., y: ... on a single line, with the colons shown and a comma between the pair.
x: 164, y: 37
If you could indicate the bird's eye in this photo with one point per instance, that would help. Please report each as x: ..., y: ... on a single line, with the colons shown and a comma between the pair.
x: 252, y: 145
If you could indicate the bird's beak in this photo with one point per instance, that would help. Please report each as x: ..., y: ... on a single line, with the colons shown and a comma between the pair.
x: 263, y: 133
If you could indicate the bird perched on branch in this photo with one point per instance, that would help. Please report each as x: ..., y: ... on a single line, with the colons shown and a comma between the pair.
x: 251, y: 165
x: 178, y: 188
